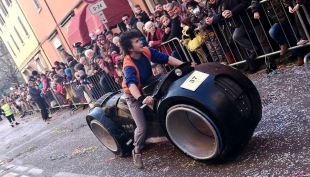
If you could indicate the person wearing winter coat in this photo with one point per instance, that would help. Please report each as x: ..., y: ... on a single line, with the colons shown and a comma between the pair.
x: 293, y: 9
x: 71, y: 63
x: 211, y: 38
x: 36, y: 97
x: 154, y: 39
x: 140, y: 15
x: 281, y: 29
x: 172, y: 29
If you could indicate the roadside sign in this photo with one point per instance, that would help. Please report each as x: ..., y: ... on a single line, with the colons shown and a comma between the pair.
x: 97, y: 7
x: 103, y: 19
x: 90, y: 1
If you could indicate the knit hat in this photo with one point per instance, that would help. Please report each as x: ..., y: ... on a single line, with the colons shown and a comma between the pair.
x: 67, y: 71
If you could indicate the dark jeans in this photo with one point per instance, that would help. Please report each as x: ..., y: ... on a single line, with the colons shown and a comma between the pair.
x: 42, y: 105
x: 105, y: 83
x: 278, y: 35
x: 11, y: 118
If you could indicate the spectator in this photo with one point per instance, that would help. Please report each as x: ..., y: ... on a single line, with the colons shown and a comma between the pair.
x: 71, y: 63
x: 129, y: 22
x: 151, y: 16
x: 172, y: 29
x: 62, y: 65
x: 45, y: 83
x: 281, y: 30
x: 36, y: 96
x: 106, y: 80
x: 175, y: 9
x: 157, y: 16
x: 141, y: 28
x: 211, y: 39
x: 293, y: 9
x: 68, y: 74
x: 154, y: 37
x: 233, y: 11
x: 159, y: 8
x: 112, y: 47
x: 141, y: 15
x: 60, y: 90
x: 87, y: 66
x: 201, y: 3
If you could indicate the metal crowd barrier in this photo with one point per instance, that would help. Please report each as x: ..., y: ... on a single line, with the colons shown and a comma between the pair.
x: 307, y: 57
x: 219, y: 46
x: 258, y: 35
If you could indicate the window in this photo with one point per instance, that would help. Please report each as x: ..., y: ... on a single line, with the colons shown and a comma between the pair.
x: 8, y: 2
x: 21, y: 23
x: 3, y: 9
x: 21, y: 40
x: 11, y: 49
x: 2, y: 20
x: 14, y: 42
x: 36, y: 3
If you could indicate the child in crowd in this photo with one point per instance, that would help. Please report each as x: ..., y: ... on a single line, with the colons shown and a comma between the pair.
x: 8, y: 113
x: 68, y: 74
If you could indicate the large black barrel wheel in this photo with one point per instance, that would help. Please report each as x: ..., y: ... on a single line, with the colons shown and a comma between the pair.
x: 193, y: 132
x: 112, y: 137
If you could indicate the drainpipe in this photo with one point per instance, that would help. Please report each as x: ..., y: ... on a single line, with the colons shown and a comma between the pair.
x: 57, y: 25
x: 34, y: 33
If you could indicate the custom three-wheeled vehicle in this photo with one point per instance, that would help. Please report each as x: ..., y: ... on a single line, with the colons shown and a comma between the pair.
x: 206, y: 111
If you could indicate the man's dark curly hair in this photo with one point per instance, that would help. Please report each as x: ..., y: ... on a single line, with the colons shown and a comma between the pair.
x: 125, y: 40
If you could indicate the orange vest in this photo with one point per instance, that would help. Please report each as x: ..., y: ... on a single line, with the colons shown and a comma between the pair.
x: 128, y: 62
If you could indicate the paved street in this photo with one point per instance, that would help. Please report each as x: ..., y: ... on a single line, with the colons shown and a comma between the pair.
x: 67, y: 148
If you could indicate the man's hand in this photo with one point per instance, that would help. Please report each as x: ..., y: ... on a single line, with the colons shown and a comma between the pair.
x: 227, y: 14
x: 256, y: 15
x: 209, y: 20
x: 148, y: 100
x: 290, y: 9
x: 116, y: 80
x: 167, y: 30
x: 151, y: 44
x: 296, y: 7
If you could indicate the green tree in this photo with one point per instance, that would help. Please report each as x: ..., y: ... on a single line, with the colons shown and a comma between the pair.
x: 9, y: 73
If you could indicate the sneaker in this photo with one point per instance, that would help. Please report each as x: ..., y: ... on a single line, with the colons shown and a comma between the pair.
x: 16, y: 123
x: 302, y: 42
x: 137, y: 160
x: 12, y: 125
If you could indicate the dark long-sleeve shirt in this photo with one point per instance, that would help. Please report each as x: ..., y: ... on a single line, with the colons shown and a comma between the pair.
x: 34, y: 93
x: 144, y: 67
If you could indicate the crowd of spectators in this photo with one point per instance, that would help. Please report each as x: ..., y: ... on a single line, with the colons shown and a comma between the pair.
x: 224, y: 31
x: 208, y: 30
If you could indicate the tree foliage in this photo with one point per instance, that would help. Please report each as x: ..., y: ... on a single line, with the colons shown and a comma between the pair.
x: 9, y: 73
